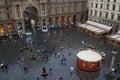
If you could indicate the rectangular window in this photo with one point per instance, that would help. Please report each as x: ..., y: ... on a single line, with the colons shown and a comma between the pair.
x: 43, y: 7
x: 69, y: 8
x: 95, y: 12
x: 91, y: 4
x: 119, y: 7
x: 100, y: 14
x: 8, y: 15
x: 7, y: 8
x: 113, y: 7
x: 96, y: 5
x: 101, y: 6
x: 75, y: 6
x: 107, y: 7
x: 44, y: 22
x: 48, y: 0
x: 106, y: 15
x: 6, y: 3
x: 62, y: 9
x: 112, y: 16
x: 49, y: 11
x: 118, y: 18
x: 91, y: 11
x: 17, y: 8
x: 18, y: 11
x: 56, y: 11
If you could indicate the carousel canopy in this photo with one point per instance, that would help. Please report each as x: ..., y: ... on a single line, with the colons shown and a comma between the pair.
x: 89, y: 55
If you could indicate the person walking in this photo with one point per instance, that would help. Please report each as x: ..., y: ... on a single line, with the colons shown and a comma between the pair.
x: 61, y: 78
x: 50, y: 71
x: 61, y: 61
x: 2, y: 67
x: 58, y: 55
x: 31, y: 49
x: 55, y: 54
x: 38, y: 78
x: 25, y: 69
x: 118, y: 78
x: 6, y: 68
x: 71, y: 70
x: 57, y: 78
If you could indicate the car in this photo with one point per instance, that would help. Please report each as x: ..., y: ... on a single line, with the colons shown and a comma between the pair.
x: 53, y: 26
x: 44, y: 29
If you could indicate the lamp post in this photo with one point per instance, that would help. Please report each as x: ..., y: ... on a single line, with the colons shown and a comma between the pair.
x: 110, y: 73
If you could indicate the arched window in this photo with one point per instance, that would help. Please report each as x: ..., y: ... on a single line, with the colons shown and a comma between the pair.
x: 10, y: 28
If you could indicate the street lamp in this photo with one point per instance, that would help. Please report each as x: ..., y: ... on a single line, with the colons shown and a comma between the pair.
x: 110, y: 73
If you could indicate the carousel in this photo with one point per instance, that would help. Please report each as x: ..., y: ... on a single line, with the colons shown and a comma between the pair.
x: 89, y: 60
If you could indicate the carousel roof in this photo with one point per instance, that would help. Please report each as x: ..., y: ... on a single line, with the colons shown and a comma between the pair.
x: 89, y: 55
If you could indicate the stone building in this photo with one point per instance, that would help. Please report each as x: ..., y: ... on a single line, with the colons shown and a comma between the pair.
x: 66, y: 11
x: 21, y: 15
x: 105, y: 12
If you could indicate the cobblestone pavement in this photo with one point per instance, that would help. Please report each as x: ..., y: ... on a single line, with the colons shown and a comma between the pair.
x: 71, y: 40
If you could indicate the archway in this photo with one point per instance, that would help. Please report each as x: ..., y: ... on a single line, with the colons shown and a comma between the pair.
x: 63, y: 20
x: 81, y: 17
x: 69, y: 19
x: 2, y: 30
x: 30, y: 15
x: 56, y: 20
x: 74, y: 18
x: 10, y: 29
x: 50, y: 21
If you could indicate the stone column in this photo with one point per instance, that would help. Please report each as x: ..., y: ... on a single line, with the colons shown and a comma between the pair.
x: 113, y: 59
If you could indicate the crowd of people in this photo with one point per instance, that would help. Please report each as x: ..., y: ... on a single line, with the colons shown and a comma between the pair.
x: 43, y: 54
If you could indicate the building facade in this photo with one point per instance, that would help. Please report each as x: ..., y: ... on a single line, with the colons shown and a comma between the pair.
x: 105, y: 11
x: 20, y: 15
x: 66, y: 11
